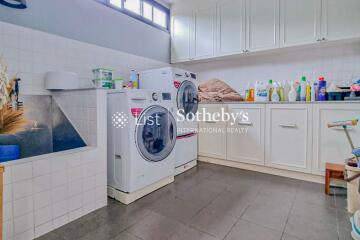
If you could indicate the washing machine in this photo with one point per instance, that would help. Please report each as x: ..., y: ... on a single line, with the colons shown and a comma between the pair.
x: 184, y: 88
x: 141, y: 140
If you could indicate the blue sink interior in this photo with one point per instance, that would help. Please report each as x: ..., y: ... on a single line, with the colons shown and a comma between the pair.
x: 48, y: 131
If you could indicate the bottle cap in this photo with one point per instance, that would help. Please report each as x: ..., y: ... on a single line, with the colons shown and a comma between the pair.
x: 321, y: 78
x: 303, y: 78
x: 270, y: 81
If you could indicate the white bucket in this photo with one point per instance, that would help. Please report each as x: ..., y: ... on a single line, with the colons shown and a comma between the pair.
x: 353, y: 196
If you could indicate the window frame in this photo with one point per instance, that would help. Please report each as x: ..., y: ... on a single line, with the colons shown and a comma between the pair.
x: 140, y: 16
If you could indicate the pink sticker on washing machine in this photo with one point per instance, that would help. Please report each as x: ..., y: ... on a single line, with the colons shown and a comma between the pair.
x: 177, y: 83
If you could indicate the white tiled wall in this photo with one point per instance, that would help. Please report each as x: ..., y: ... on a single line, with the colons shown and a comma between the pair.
x: 46, y: 192
x: 32, y: 53
x: 338, y: 63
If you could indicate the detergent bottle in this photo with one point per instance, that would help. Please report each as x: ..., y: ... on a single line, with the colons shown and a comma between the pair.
x: 287, y: 88
x: 261, y: 92
x: 314, y: 91
x: 275, y: 96
x: 322, y: 89
x: 303, y: 89
x: 270, y: 89
x: 292, y: 94
x: 308, y: 92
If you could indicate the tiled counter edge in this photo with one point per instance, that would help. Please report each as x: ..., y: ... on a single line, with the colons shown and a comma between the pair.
x: 46, y: 192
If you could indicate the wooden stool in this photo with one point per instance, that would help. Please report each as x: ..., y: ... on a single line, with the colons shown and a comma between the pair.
x: 335, y: 171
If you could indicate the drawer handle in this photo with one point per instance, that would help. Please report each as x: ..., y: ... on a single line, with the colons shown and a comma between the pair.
x: 245, y: 123
x: 210, y: 122
x: 117, y: 156
x: 288, y: 125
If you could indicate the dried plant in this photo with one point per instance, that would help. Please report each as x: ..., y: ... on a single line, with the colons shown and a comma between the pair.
x: 11, y: 120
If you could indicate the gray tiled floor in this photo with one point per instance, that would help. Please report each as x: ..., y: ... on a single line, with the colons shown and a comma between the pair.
x: 211, y: 203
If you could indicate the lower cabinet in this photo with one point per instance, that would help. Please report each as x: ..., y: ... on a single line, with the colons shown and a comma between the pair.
x: 245, y: 137
x: 212, y: 134
x: 331, y: 144
x: 292, y: 137
x: 288, y: 137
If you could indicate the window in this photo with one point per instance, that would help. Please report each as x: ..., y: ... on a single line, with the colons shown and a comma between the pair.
x: 148, y: 11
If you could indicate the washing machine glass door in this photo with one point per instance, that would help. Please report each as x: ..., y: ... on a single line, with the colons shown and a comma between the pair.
x: 187, y: 98
x: 156, y: 133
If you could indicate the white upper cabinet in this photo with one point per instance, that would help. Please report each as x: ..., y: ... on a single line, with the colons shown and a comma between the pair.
x: 341, y: 19
x: 204, y: 32
x: 300, y: 22
x: 181, y: 22
x: 231, y: 27
x: 262, y: 24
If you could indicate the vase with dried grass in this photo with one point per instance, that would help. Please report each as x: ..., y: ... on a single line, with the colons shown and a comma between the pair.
x: 12, y: 117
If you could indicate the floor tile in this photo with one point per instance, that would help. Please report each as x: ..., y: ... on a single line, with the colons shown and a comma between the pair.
x: 154, y: 227
x: 213, y: 224
x: 310, y: 230
x: 245, y: 230
x: 176, y: 208
x: 268, y: 216
x: 314, y: 212
x: 125, y: 236
x: 314, y: 193
x: 289, y: 237
x: 187, y: 233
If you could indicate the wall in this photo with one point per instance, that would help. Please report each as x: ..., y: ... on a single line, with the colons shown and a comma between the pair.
x: 92, y: 22
x: 45, y: 192
x: 32, y: 53
x: 339, y: 63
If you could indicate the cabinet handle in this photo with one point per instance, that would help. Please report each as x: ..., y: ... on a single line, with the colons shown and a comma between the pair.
x: 323, y: 39
x: 210, y: 122
x: 117, y: 156
x: 319, y: 40
x: 288, y: 125
x: 245, y: 123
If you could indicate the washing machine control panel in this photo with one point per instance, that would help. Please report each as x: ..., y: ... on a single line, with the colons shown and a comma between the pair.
x: 155, y: 97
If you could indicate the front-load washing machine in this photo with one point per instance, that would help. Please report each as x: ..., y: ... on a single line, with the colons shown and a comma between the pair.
x: 141, y: 139
x: 184, y: 88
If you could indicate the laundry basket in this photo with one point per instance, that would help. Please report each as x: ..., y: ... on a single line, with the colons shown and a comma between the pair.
x: 353, y: 195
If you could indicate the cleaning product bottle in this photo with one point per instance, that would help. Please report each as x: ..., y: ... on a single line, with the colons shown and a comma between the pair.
x: 322, y: 89
x: 314, y: 91
x: 134, y: 79
x: 287, y: 88
x: 275, y: 96
x: 308, y: 92
x: 292, y: 94
x: 270, y: 89
x: 281, y: 92
x: 251, y: 93
x: 303, y: 89
x: 247, y: 92
x: 261, y: 93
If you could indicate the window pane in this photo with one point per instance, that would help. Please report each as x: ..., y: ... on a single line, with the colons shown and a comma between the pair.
x: 147, y: 10
x: 160, y: 17
x: 116, y: 3
x: 132, y: 5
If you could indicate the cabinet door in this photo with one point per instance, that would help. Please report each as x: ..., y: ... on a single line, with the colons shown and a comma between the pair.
x: 288, y: 141
x: 212, y: 135
x: 181, y: 21
x: 245, y: 137
x: 231, y: 27
x: 331, y: 144
x: 341, y: 19
x: 205, y: 23
x: 262, y: 21
x: 299, y: 22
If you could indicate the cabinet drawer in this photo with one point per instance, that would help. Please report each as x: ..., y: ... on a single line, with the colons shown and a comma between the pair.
x: 245, y: 138
x: 331, y: 144
x: 289, y: 137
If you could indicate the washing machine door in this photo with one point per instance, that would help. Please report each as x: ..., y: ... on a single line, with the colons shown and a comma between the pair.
x: 155, y: 134
x: 187, y: 98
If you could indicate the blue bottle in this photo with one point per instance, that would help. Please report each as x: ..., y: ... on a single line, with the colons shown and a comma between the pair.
x: 322, y: 89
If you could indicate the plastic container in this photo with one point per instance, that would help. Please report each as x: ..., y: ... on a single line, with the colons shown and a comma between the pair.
x: 353, y: 196
x: 261, y: 92
x: 303, y: 89
x: 103, y: 78
x: 292, y: 94
x: 270, y: 89
x: 322, y: 89
x: 308, y: 92
x: 118, y: 83
x: 314, y: 92
x: 287, y: 89
x: 275, y: 96
x: 9, y: 152
x: 134, y: 79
